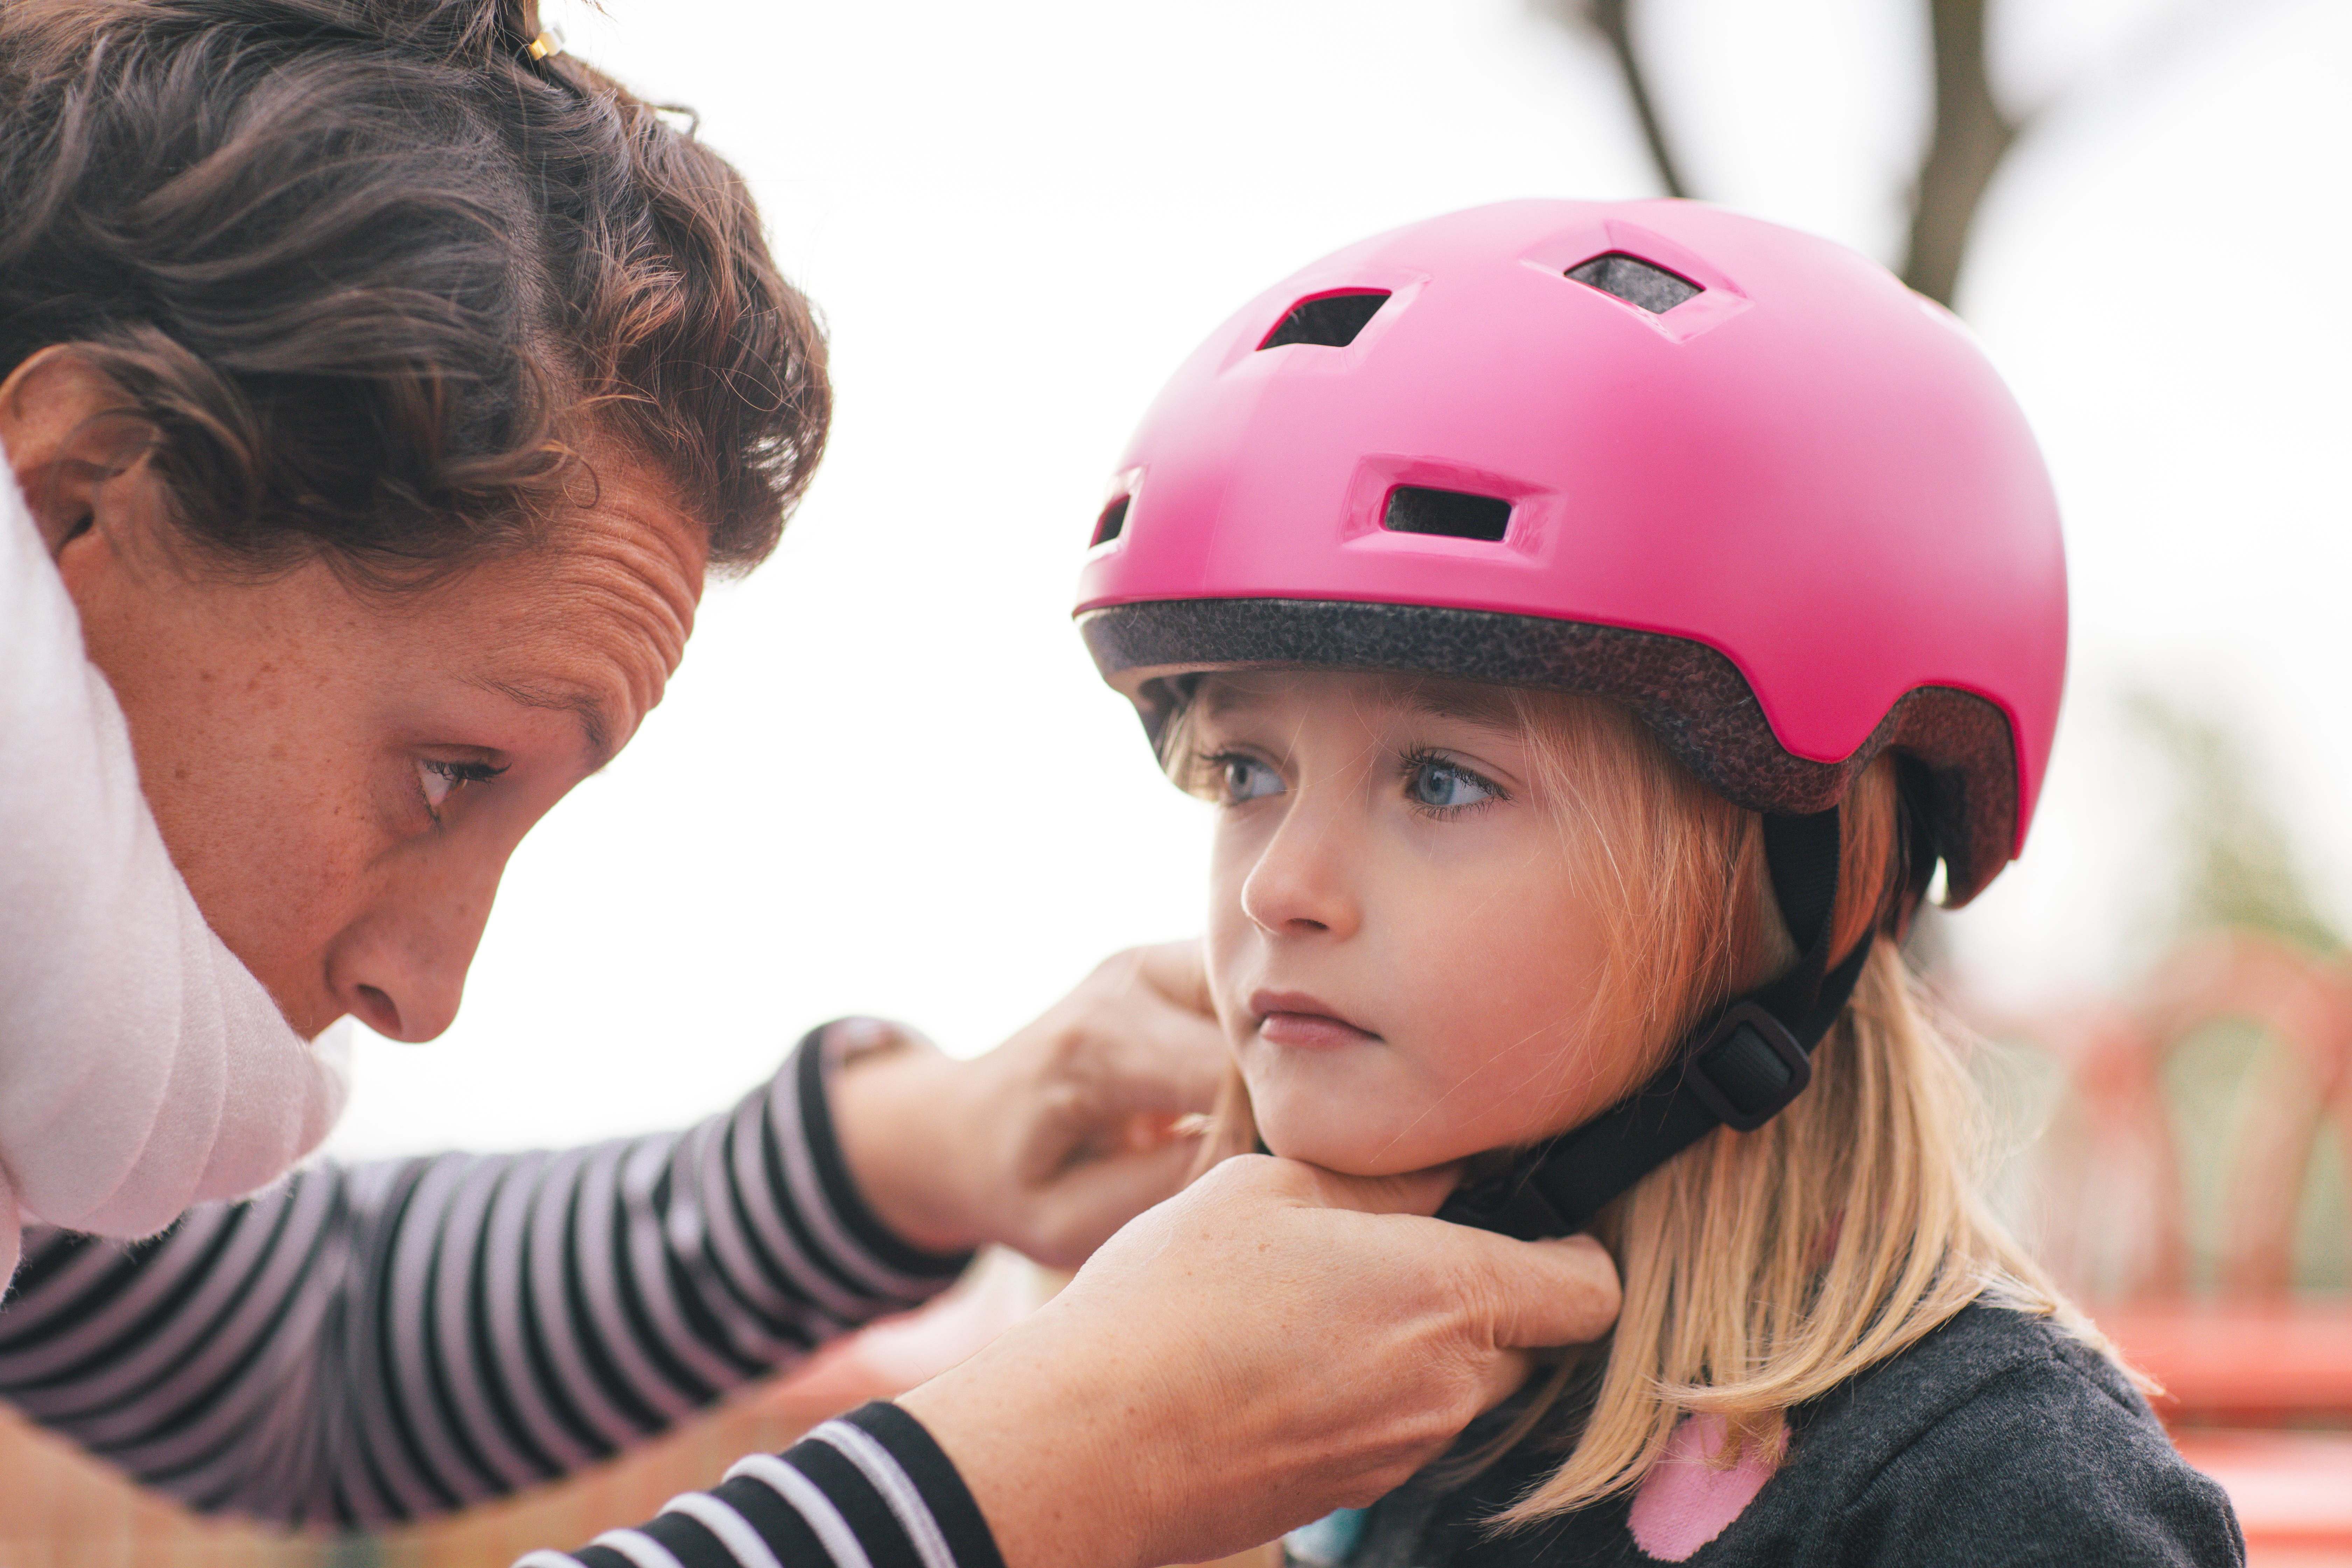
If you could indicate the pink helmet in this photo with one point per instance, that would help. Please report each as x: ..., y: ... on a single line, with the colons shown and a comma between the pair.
x: 1736, y: 476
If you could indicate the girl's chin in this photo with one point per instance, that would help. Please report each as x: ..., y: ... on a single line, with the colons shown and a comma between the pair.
x: 1346, y: 1150
x: 1341, y: 1167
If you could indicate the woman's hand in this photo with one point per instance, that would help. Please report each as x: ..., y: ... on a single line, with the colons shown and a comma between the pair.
x: 1054, y: 1139
x: 1267, y: 1346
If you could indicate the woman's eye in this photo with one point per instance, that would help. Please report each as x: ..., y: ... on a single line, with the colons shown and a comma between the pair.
x: 1246, y: 778
x: 1446, y: 786
x: 440, y: 780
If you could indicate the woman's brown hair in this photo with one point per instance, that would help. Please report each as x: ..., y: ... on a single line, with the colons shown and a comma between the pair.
x: 372, y: 274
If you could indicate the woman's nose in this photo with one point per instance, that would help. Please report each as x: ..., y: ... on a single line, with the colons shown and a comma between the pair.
x: 400, y: 968
x: 1305, y: 881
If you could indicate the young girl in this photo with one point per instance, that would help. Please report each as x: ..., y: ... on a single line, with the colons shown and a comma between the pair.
x: 1599, y: 627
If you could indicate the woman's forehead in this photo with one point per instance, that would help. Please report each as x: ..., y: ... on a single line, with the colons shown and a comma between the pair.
x: 593, y: 621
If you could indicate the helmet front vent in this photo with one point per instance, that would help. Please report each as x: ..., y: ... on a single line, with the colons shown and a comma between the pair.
x: 1414, y: 509
x: 1113, y: 519
x: 1330, y: 320
x: 1635, y: 282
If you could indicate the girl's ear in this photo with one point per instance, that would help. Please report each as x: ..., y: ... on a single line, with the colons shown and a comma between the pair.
x: 63, y: 423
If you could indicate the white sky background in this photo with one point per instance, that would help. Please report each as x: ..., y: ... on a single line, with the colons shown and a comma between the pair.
x: 887, y: 779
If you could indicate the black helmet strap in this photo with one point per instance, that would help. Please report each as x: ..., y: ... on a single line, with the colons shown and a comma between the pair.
x: 1738, y: 1069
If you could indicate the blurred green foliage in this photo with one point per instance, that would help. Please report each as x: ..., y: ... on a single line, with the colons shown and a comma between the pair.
x: 2239, y: 867
x: 2217, y: 1084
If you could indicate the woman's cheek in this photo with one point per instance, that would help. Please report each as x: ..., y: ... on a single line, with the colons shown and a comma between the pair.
x: 279, y: 915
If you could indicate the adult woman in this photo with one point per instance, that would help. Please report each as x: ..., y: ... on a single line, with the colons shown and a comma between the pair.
x: 381, y: 385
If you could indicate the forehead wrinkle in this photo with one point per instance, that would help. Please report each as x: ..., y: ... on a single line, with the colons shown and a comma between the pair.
x: 620, y: 585
x: 634, y: 586
x: 586, y: 707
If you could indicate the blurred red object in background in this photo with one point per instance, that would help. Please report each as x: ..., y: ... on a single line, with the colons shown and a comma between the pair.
x: 2177, y: 1186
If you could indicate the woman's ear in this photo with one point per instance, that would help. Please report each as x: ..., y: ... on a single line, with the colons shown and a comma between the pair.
x: 63, y: 424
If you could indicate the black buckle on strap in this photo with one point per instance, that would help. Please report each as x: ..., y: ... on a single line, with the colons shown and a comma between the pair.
x: 1749, y: 1066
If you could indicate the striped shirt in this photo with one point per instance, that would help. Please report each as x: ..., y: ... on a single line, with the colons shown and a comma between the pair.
x: 374, y: 1343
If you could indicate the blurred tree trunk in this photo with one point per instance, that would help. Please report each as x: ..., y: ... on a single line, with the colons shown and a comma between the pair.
x: 1612, y: 20
x: 1969, y: 136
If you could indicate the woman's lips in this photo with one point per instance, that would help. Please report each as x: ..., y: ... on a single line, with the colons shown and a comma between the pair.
x: 1294, y: 1018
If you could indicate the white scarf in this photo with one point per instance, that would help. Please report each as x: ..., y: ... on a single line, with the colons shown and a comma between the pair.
x: 141, y: 1067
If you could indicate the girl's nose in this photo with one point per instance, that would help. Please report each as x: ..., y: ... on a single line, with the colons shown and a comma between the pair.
x: 1305, y: 881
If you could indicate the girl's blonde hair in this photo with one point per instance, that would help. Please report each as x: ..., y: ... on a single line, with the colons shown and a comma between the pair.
x: 1760, y: 1270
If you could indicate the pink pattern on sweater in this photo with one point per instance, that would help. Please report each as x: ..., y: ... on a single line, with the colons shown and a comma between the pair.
x: 1685, y: 1502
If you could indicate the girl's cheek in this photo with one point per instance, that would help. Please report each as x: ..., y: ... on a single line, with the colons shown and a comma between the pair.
x: 1228, y: 943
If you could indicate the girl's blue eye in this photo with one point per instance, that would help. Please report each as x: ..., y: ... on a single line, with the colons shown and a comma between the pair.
x: 1445, y: 786
x: 1246, y: 778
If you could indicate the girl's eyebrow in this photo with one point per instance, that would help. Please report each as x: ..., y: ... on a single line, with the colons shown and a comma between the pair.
x: 1222, y: 698
x: 1485, y: 710
x: 1482, y: 707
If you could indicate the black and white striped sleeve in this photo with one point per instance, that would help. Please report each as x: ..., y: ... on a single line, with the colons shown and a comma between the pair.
x: 375, y: 1344
x: 869, y: 1489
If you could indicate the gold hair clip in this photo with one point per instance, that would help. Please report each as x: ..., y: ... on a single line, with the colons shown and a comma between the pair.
x: 550, y: 42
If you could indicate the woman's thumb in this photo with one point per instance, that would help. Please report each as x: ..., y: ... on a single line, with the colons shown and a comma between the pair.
x: 1544, y: 1293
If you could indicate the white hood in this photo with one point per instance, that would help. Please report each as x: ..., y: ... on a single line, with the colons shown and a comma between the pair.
x: 142, y: 1068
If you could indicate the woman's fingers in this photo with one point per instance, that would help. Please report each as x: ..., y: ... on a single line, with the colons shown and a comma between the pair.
x: 1142, y: 1038
x: 1054, y: 1139
x: 1086, y: 1104
x: 1539, y: 1294
x: 1563, y: 1292
x: 1259, y: 1349
x: 1179, y: 970
x: 1411, y: 1193
x: 1065, y: 1220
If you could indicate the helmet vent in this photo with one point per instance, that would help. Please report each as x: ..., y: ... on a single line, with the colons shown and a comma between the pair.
x: 1330, y: 322
x: 1412, y: 510
x: 1113, y: 519
x: 1635, y: 282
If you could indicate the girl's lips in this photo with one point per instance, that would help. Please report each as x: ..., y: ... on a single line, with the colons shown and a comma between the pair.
x: 1294, y: 1018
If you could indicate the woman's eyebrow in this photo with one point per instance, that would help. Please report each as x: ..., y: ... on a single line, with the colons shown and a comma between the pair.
x: 586, y: 706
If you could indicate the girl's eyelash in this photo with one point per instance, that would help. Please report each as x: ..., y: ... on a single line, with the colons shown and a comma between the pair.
x: 1208, y: 768
x: 1412, y: 762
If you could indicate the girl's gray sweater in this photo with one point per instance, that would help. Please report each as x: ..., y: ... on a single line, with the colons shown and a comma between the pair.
x: 1996, y: 1440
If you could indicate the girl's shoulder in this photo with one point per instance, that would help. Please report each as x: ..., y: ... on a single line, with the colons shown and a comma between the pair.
x: 2000, y: 1433
x: 1997, y: 1439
